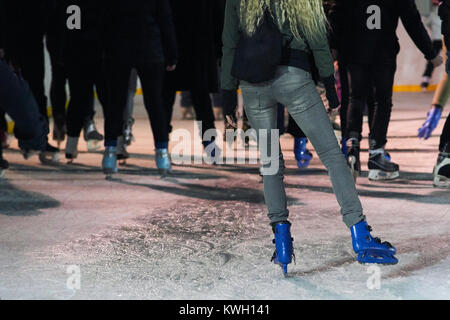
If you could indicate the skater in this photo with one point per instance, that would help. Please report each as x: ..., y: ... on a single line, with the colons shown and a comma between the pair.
x: 433, y: 22
x: 285, y: 31
x: 25, y: 25
x: 371, y: 54
x: 83, y: 59
x: 142, y: 36
x: 441, y: 172
x: 16, y: 99
x: 198, y: 30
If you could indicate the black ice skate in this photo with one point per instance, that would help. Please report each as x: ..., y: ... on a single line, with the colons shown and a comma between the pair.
x: 353, y: 161
x: 59, y: 132
x: 50, y: 155
x: 381, y: 167
x: 122, y: 154
x: 128, y: 132
x: 441, y: 173
x: 92, y: 137
x: 3, y: 166
x: 71, y: 149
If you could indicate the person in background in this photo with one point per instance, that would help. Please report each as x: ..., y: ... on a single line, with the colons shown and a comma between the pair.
x: 434, y: 24
x: 140, y: 35
x: 370, y: 50
x: 198, y: 28
x: 441, y: 172
x: 23, y: 45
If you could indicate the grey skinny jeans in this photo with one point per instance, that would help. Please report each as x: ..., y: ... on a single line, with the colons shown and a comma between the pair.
x: 295, y: 89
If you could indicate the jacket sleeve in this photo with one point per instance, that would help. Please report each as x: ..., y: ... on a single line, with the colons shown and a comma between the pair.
x: 230, y: 39
x: 410, y: 17
x: 444, y: 13
x: 322, y: 55
x: 168, y: 35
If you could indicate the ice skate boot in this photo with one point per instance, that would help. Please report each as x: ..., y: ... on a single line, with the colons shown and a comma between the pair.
x: 353, y: 147
x: 302, y: 155
x: 344, y: 147
x: 284, y: 251
x: 163, y: 161
x: 92, y: 137
x: 369, y: 249
x: 59, y: 132
x: 425, y: 83
x: 50, y: 155
x: 122, y: 154
x: 128, y: 132
x: 4, y: 139
x: 381, y: 167
x: 109, y: 162
x: 71, y: 149
x: 187, y: 113
x: 3, y: 165
x: 441, y: 173
x: 212, y: 151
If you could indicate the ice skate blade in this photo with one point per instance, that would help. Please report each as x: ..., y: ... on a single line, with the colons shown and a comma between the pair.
x: 379, y: 175
x: 49, y: 158
x: 441, y: 182
x: 376, y: 257
x: 93, y: 145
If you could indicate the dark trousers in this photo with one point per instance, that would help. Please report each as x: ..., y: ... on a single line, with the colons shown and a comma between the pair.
x: 201, y: 101
x: 445, y: 137
x: 58, y: 95
x: 151, y: 75
x: 437, y: 44
x: 30, y: 61
x: 364, y: 80
x: 85, y: 71
x: 17, y: 100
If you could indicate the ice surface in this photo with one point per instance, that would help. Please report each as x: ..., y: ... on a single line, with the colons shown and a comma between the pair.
x: 204, y: 234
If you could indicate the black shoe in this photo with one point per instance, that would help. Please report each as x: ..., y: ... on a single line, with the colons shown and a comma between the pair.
x: 353, y: 160
x: 441, y: 173
x: 3, y: 166
x: 382, y: 168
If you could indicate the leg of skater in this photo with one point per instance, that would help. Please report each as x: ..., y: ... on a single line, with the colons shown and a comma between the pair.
x: 152, y: 75
x: 380, y: 165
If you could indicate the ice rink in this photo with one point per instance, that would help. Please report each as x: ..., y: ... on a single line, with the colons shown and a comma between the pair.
x: 202, y: 233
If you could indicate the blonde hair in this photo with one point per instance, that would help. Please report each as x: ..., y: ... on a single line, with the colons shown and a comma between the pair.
x: 304, y: 16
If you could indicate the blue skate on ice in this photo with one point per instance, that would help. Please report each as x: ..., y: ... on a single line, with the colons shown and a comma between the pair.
x: 284, y: 251
x: 344, y: 147
x: 302, y: 155
x: 213, y: 152
x: 109, y: 163
x: 163, y: 161
x: 369, y: 249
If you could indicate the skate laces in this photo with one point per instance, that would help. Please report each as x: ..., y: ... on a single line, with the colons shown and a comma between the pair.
x: 378, y: 240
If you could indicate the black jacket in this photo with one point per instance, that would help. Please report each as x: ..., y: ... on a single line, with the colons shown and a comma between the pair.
x: 444, y: 13
x: 141, y: 30
x: 199, y: 26
x: 22, y: 23
x: 358, y: 44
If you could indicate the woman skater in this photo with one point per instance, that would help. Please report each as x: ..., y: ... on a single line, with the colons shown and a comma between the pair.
x: 290, y: 30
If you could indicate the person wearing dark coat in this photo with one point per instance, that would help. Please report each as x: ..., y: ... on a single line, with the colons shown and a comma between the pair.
x: 141, y: 35
x: 366, y: 30
x: 82, y: 54
x: 26, y: 23
x: 198, y: 26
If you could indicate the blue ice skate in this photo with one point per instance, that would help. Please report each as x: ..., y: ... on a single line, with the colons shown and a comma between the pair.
x: 109, y: 163
x: 213, y: 152
x: 163, y: 161
x: 284, y: 251
x: 302, y: 155
x: 369, y: 249
x: 344, y: 147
